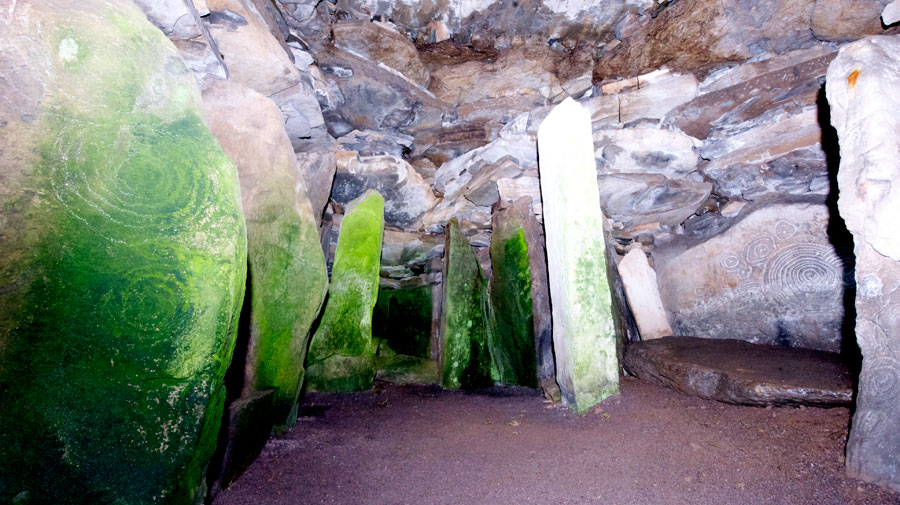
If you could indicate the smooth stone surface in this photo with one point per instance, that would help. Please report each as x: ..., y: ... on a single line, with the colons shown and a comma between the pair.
x: 640, y: 198
x: 465, y: 327
x: 772, y: 278
x: 891, y: 13
x: 584, y: 338
x: 301, y: 110
x: 178, y: 19
x: 317, y: 166
x: 734, y: 371
x: 646, y: 150
x: 341, y: 355
x: 283, y: 247
x: 253, y: 56
x: 642, y: 292
x: 862, y: 91
x: 124, y: 259
x: 840, y: 21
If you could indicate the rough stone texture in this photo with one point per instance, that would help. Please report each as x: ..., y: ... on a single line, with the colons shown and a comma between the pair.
x: 514, y: 346
x: 341, y: 355
x: 402, y: 320
x: 734, y: 371
x: 841, y: 21
x: 584, y: 340
x: 302, y: 112
x: 254, y: 57
x: 788, y: 83
x: 777, y: 152
x: 862, y: 90
x: 407, y: 196
x: 772, y: 278
x: 642, y: 291
x: 646, y: 150
x: 633, y: 199
x: 178, y: 19
x: 123, y: 260
x: 697, y: 34
x: 202, y: 56
x: 286, y: 264
x: 375, y: 98
x: 465, y: 360
x: 245, y: 431
x: 380, y: 44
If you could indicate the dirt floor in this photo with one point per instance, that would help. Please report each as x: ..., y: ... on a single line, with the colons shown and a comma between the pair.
x: 649, y: 445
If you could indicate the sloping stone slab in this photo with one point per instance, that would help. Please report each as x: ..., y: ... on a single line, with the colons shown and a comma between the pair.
x: 738, y: 372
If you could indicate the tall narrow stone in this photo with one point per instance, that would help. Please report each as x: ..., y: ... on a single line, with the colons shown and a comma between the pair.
x: 123, y: 261
x: 587, y: 370
x: 520, y: 341
x: 643, y: 295
x: 287, y: 265
x: 341, y: 356
x: 863, y: 89
x: 465, y: 360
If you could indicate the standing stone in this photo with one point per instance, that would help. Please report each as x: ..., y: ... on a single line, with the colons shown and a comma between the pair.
x: 587, y: 370
x: 643, y: 295
x: 287, y: 266
x: 123, y: 261
x: 520, y: 341
x: 465, y: 360
x: 341, y: 356
x: 864, y: 94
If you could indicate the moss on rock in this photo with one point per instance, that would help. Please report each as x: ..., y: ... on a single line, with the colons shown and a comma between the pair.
x: 512, y: 338
x: 466, y: 361
x: 342, y: 356
x: 120, y: 310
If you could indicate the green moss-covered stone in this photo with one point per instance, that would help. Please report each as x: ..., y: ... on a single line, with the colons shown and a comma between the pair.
x: 342, y: 356
x: 512, y: 342
x: 287, y: 277
x: 466, y: 361
x: 402, y: 318
x: 121, y: 220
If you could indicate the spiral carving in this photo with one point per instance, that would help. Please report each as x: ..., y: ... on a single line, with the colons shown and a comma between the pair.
x: 801, y: 274
x: 757, y: 251
x: 881, y: 381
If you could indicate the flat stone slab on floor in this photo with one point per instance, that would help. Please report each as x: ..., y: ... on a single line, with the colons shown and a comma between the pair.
x: 738, y: 372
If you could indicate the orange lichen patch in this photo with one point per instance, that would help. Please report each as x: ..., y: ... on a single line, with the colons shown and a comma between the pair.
x: 851, y: 82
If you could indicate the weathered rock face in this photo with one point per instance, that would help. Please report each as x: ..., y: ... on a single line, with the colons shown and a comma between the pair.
x: 646, y: 150
x: 255, y: 58
x: 633, y: 199
x: 862, y: 91
x: 286, y: 264
x: 834, y: 20
x: 697, y: 34
x: 124, y: 261
x: 407, y: 196
x: 642, y: 291
x: 341, y: 355
x: 584, y: 340
x: 379, y: 43
x: 513, y: 346
x: 772, y: 278
x: 742, y: 373
x: 465, y: 327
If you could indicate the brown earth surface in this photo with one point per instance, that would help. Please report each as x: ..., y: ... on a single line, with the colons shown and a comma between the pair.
x: 649, y: 445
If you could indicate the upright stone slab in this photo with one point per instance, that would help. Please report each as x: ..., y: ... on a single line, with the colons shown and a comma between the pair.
x: 864, y: 93
x: 287, y: 266
x: 123, y: 267
x: 341, y: 356
x: 643, y: 295
x: 519, y: 297
x: 587, y: 370
x: 465, y: 360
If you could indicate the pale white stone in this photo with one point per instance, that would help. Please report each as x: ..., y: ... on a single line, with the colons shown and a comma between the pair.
x: 663, y: 93
x: 891, y: 13
x: 583, y: 334
x: 642, y: 292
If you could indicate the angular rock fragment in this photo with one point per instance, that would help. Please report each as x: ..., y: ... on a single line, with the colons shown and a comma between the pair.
x: 639, y: 198
x: 465, y: 357
x: 286, y: 265
x: 124, y: 257
x: 646, y: 150
x: 380, y: 44
x: 341, y: 355
x: 584, y: 339
x: 643, y: 295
